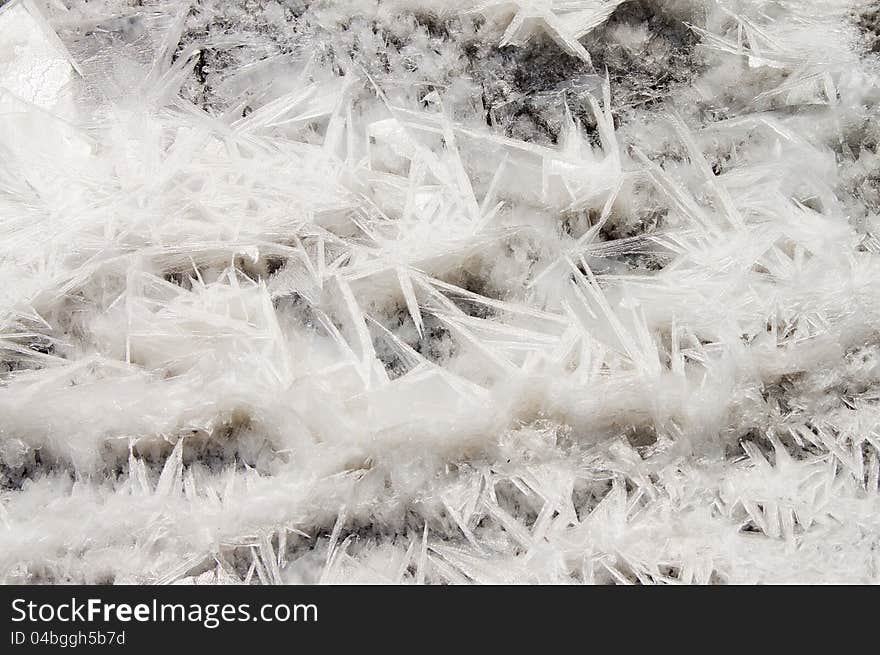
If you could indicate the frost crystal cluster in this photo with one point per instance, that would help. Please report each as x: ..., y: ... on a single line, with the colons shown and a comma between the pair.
x: 439, y: 291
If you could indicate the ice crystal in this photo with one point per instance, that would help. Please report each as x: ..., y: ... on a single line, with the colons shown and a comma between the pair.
x: 416, y: 291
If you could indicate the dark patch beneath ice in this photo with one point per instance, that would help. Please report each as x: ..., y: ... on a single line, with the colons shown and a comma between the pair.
x: 868, y: 21
x: 643, y: 74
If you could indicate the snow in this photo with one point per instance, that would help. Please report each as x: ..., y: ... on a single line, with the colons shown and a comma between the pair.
x: 430, y: 292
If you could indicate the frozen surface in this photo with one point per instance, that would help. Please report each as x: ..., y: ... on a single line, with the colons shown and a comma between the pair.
x: 428, y: 291
x: 33, y: 63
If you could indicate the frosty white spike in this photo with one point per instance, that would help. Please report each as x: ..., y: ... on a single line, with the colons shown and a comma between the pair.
x: 564, y: 21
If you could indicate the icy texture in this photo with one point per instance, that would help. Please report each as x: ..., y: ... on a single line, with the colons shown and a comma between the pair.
x: 33, y: 63
x: 428, y: 291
